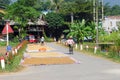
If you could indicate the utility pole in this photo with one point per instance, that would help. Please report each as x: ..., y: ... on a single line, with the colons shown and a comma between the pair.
x: 95, y: 18
x: 102, y: 12
x: 97, y: 22
x: 94, y: 8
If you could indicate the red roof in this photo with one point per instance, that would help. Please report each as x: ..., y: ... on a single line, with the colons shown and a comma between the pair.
x: 113, y: 17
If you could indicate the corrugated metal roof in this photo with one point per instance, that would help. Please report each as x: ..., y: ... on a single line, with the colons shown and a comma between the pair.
x: 113, y: 17
x: 41, y: 22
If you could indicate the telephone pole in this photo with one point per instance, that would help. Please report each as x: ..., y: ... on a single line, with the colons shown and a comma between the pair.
x: 94, y: 10
x: 97, y: 22
x: 102, y: 12
x: 96, y: 14
x: 95, y: 17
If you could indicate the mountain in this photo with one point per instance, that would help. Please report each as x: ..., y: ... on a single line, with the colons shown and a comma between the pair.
x: 112, y: 2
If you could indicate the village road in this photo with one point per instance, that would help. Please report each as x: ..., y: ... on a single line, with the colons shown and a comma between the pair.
x: 89, y: 68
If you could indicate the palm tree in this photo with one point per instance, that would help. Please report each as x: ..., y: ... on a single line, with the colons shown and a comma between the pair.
x: 56, y: 4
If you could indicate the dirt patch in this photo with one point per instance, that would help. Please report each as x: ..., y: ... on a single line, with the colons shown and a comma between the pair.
x: 33, y: 47
x: 38, y: 58
x: 47, y: 54
x: 46, y: 61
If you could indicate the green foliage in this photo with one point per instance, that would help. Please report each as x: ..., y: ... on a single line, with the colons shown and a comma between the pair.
x: 76, y: 6
x: 113, y: 37
x: 4, y: 3
x: 112, y: 54
x: 13, y: 61
x: 15, y: 39
x: 92, y: 30
x: 109, y: 11
x: 3, y: 43
x: 41, y: 5
x: 12, y: 43
x: 78, y: 30
x: 27, y: 3
x: 77, y: 10
x: 114, y: 50
x: 22, y: 11
x: 57, y: 4
x: 115, y: 10
x: 48, y: 39
x: 54, y: 20
x: 67, y: 8
x: 117, y: 41
x: 84, y: 6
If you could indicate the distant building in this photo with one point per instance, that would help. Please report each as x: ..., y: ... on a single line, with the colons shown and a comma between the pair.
x: 110, y: 23
x: 36, y: 28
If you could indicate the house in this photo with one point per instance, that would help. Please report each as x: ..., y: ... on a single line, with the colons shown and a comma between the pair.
x: 36, y: 28
x: 33, y: 28
x: 110, y: 23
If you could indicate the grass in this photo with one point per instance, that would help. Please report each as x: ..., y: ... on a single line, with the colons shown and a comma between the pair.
x: 13, y: 61
x: 10, y: 43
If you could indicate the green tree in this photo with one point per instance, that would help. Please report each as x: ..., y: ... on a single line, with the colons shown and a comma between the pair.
x: 92, y: 31
x: 56, y: 4
x: 114, y: 38
x: 107, y: 9
x: 20, y: 13
x: 55, y: 21
x: 27, y: 3
x: 74, y: 7
x: 79, y: 30
x: 3, y: 5
x: 67, y: 8
x: 42, y: 5
x: 115, y: 10
x: 111, y: 10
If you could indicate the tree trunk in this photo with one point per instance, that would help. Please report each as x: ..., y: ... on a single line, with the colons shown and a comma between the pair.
x: 72, y: 17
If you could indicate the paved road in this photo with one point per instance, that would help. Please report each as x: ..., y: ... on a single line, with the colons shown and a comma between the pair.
x: 90, y: 68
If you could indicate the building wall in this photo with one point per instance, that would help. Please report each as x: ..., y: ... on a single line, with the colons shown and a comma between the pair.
x: 110, y: 23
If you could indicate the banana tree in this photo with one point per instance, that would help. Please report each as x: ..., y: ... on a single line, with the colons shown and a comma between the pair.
x: 78, y: 30
x: 92, y: 32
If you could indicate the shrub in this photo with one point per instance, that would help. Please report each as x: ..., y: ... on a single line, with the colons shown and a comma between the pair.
x: 13, y: 61
x: 48, y: 39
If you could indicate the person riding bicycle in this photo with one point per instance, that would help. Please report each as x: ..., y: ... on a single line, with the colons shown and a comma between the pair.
x: 70, y: 42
